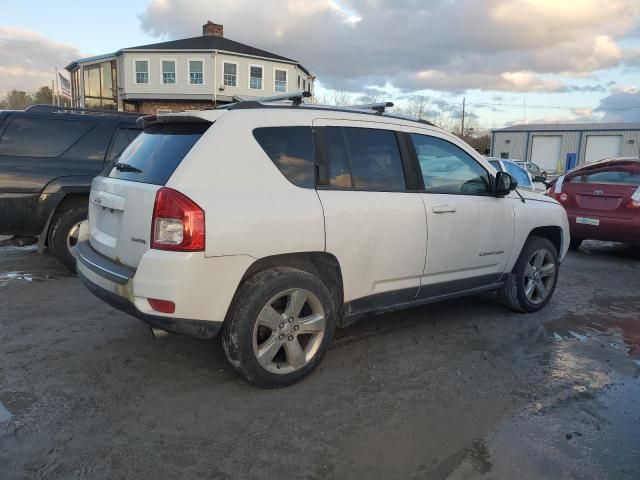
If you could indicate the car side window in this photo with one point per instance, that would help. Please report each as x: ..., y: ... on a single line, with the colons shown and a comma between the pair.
x: 447, y: 168
x: 40, y: 137
x: 291, y: 150
x: 364, y: 159
x: 520, y: 174
x: 122, y: 138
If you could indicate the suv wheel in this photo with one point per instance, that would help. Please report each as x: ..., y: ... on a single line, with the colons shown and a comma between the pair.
x: 279, y: 326
x: 63, y: 235
x: 533, y: 280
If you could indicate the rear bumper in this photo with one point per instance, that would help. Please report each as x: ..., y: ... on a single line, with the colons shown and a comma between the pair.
x: 610, y: 229
x: 115, y: 284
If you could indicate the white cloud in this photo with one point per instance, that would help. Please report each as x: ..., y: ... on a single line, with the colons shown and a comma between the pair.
x: 486, y: 44
x: 28, y: 59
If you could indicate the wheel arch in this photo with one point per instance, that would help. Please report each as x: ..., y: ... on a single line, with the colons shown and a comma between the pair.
x: 323, y: 265
x: 553, y: 233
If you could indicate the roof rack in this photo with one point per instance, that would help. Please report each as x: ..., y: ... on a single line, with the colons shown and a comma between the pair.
x: 57, y: 109
x: 295, y: 98
x: 379, y: 107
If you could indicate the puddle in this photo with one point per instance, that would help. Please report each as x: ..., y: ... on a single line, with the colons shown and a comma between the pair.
x: 5, y: 414
x: 7, y: 277
x: 606, y: 330
x: 14, y: 403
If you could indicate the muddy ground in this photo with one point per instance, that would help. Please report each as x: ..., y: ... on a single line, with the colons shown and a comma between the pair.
x: 464, y: 389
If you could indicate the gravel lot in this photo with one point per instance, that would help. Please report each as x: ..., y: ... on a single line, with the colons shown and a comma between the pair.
x: 464, y: 389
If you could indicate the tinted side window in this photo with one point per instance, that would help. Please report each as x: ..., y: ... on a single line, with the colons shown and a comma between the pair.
x: 291, y: 150
x: 520, y: 174
x: 375, y: 159
x: 339, y: 172
x: 40, y: 137
x: 122, y: 138
x: 447, y: 168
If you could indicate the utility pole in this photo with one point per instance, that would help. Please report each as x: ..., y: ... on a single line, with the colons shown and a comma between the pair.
x: 463, y: 106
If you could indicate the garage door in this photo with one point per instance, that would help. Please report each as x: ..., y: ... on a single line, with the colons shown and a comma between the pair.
x: 545, y: 151
x: 603, y: 146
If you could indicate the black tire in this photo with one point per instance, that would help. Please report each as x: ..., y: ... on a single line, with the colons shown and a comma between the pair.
x: 61, y: 225
x: 252, y: 296
x: 574, y: 243
x: 513, y: 293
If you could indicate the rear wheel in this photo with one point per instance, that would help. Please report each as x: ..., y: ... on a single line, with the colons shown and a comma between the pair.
x: 279, y: 326
x: 63, y: 235
x: 574, y: 243
x: 533, y: 280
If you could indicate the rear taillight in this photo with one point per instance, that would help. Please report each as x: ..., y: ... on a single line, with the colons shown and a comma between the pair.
x: 563, y: 197
x: 633, y: 203
x: 177, y: 224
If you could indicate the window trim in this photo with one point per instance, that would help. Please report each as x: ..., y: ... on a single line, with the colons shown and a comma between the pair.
x: 135, y: 72
x: 204, y: 79
x: 286, y: 82
x: 175, y: 71
x: 237, y: 85
x: 249, y: 73
x: 418, y: 169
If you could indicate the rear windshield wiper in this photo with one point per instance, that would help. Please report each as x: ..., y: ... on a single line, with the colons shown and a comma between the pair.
x: 125, y: 167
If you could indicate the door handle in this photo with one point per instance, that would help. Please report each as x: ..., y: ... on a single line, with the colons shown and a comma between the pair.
x: 444, y: 209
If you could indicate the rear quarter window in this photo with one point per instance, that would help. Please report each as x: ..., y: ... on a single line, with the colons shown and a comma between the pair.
x: 291, y: 150
x: 42, y: 137
x: 154, y: 155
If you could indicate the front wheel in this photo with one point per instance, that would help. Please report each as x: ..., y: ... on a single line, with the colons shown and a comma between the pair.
x: 279, y: 326
x: 533, y: 280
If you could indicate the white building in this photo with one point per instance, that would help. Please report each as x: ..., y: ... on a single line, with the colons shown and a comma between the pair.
x: 554, y: 147
x: 186, y: 74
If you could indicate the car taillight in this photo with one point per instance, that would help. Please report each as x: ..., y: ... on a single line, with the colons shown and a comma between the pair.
x: 177, y: 224
x: 563, y: 197
x: 633, y: 203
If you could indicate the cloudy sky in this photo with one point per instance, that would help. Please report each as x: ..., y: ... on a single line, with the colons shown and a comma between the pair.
x: 539, y: 60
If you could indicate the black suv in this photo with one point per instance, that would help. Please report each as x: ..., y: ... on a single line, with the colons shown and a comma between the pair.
x: 48, y: 157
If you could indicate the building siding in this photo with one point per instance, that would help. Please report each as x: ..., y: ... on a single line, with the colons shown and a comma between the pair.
x: 575, y: 141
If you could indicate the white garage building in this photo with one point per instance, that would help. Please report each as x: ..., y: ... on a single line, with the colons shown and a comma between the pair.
x: 554, y: 147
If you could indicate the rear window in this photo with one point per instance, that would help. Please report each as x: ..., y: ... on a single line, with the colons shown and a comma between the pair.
x: 621, y: 177
x: 291, y: 150
x: 156, y: 153
x: 40, y: 137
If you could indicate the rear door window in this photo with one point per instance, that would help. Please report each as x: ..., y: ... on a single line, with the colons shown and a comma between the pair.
x: 42, y: 137
x: 291, y: 150
x: 156, y: 153
x: 364, y: 159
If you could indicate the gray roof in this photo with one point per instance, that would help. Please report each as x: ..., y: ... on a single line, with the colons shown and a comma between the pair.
x: 203, y: 42
x: 564, y: 127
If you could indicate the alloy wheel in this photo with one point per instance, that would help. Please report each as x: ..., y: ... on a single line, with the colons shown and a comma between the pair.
x: 289, y: 331
x: 72, y: 238
x: 539, y: 276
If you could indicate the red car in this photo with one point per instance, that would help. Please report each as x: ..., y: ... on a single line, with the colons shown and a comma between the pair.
x: 602, y: 200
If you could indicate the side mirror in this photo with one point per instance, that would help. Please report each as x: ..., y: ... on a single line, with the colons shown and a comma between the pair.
x: 504, y: 184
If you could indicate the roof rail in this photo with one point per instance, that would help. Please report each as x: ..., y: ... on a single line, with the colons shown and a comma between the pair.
x: 56, y: 109
x: 295, y: 98
x: 379, y: 107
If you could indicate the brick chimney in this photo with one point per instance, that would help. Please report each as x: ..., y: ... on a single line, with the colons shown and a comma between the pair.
x: 212, y: 29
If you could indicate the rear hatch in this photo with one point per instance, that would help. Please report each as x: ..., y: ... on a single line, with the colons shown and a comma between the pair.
x: 123, y: 196
x: 609, y: 192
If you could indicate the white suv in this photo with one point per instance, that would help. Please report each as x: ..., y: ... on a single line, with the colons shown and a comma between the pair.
x: 275, y: 222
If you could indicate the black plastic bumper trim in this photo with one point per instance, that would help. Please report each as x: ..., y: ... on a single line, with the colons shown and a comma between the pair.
x: 103, y: 266
x: 196, y: 328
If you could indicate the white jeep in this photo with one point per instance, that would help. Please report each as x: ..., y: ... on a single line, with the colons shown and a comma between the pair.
x: 273, y: 222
